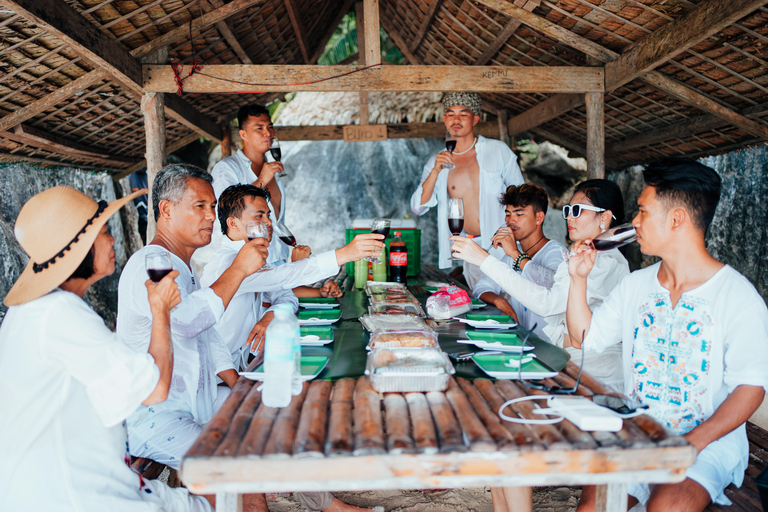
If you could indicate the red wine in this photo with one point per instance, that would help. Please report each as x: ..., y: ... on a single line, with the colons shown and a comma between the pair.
x: 383, y: 231
x: 450, y: 145
x: 156, y: 274
x: 289, y: 240
x: 455, y: 226
x: 276, y: 154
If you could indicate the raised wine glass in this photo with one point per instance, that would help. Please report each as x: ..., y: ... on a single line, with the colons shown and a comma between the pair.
x: 450, y: 145
x: 455, y: 216
x: 284, y: 233
x: 258, y: 229
x: 276, y: 153
x: 618, y: 236
x: 158, y: 264
x: 379, y: 226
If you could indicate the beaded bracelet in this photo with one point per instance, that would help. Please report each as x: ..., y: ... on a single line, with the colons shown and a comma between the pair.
x: 519, y: 260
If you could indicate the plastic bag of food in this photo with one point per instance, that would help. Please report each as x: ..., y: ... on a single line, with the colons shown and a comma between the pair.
x: 448, y: 302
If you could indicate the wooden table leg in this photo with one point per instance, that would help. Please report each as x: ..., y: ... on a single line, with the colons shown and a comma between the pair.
x: 611, y: 498
x: 229, y: 502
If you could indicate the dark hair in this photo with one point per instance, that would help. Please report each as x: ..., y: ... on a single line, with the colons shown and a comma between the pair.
x: 232, y: 202
x: 251, y: 110
x: 171, y: 182
x: 682, y: 181
x: 524, y: 195
x: 85, y: 270
x: 604, y: 194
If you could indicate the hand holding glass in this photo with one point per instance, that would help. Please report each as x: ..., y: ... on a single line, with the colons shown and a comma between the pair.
x: 450, y: 145
x: 379, y: 226
x: 158, y: 264
x: 618, y: 236
x: 258, y: 229
x: 277, y: 154
x: 284, y: 233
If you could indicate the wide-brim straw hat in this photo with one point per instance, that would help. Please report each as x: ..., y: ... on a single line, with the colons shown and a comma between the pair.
x: 56, y: 228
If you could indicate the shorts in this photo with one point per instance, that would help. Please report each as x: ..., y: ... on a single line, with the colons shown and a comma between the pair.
x: 173, y: 499
x: 717, y: 466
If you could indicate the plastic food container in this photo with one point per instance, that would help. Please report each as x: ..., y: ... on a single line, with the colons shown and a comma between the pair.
x: 388, y: 323
x: 396, y: 308
x: 376, y: 287
x: 402, y: 370
x: 394, y: 297
x: 405, y: 339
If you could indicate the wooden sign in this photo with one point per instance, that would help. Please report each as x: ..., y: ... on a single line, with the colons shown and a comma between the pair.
x: 358, y: 132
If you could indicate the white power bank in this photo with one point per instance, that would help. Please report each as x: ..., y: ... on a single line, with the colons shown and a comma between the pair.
x: 584, y: 414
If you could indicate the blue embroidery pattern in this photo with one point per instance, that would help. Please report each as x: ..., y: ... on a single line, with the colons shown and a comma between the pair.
x: 671, y: 359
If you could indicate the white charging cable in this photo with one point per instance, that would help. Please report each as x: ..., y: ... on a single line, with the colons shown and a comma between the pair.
x: 548, y: 411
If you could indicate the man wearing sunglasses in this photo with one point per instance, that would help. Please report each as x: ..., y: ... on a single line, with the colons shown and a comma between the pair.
x: 694, y: 332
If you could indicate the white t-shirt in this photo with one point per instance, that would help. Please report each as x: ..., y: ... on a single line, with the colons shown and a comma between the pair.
x: 236, y: 170
x: 540, y: 270
x: 274, y: 286
x: 684, y: 361
x: 66, y: 386
x: 498, y: 170
x: 198, y: 352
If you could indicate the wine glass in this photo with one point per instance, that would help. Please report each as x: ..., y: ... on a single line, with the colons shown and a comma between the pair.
x: 450, y: 145
x: 379, y: 226
x: 455, y: 216
x: 258, y: 229
x: 284, y: 233
x: 158, y: 264
x: 277, y: 154
x: 618, y: 236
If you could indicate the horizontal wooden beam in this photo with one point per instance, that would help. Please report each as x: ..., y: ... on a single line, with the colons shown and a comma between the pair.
x: 54, y: 98
x: 543, y: 112
x: 181, y: 111
x: 394, y: 131
x: 500, y: 79
x: 170, y: 148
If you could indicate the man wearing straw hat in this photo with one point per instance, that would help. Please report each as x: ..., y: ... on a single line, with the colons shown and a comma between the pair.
x: 184, y: 207
x: 67, y: 383
x: 477, y: 171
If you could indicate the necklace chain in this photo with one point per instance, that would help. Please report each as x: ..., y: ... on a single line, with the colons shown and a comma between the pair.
x: 534, y: 245
x: 467, y: 150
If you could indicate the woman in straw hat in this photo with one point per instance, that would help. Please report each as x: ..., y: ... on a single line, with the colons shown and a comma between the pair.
x: 66, y: 382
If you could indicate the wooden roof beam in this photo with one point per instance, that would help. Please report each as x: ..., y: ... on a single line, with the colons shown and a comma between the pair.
x: 91, y: 44
x: 500, y: 79
x: 343, y: 10
x: 225, y: 31
x: 434, y: 5
x: 298, y: 29
x: 399, y: 42
x: 509, y: 29
x: 394, y: 131
x: 170, y: 148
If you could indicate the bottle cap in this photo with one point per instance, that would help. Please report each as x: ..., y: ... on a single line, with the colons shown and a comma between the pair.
x: 397, y: 233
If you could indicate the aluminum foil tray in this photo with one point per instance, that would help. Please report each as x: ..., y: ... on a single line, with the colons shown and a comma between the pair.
x: 403, y: 370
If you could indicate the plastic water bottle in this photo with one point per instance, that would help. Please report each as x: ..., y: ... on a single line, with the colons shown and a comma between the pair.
x: 279, y: 358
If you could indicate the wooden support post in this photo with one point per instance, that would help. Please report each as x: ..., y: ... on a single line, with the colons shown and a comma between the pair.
x: 362, y: 56
x: 152, y: 106
x: 595, y: 136
x: 611, y: 498
x: 226, y: 140
x: 503, y: 126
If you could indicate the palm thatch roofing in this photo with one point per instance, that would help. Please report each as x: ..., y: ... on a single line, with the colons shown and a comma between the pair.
x: 71, y: 85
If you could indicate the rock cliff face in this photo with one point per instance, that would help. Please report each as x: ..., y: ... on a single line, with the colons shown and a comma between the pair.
x: 738, y: 235
x: 19, y: 182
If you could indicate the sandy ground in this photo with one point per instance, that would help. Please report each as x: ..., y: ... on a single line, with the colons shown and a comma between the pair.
x: 545, y: 499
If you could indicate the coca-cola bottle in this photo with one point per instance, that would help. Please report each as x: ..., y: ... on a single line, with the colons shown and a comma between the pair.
x: 398, y: 260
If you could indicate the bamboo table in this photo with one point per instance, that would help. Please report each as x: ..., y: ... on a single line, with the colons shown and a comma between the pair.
x: 344, y: 436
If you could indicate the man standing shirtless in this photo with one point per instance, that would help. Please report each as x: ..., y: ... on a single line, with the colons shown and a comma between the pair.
x: 484, y: 168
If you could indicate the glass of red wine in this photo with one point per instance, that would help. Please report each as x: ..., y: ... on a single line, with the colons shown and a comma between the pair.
x: 455, y: 216
x: 258, y: 229
x: 284, y: 233
x: 379, y: 226
x: 618, y: 236
x: 158, y: 264
x: 276, y: 153
x: 450, y: 145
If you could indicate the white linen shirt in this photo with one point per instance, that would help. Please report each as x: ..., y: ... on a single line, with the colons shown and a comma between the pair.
x: 67, y: 384
x: 539, y: 270
x: 274, y: 286
x: 235, y: 170
x: 498, y: 170
x: 198, y: 352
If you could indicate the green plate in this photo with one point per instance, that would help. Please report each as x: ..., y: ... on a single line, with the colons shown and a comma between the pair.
x: 311, y: 366
x: 431, y: 289
x: 322, y: 314
x: 477, y: 317
x: 505, y: 338
x: 494, y: 366
x: 324, y: 333
x: 318, y: 300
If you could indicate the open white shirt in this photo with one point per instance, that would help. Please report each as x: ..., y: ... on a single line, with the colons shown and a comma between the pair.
x: 67, y: 384
x: 540, y: 270
x: 198, y: 352
x: 274, y: 286
x: 236, y: 170
x: 498, y: 170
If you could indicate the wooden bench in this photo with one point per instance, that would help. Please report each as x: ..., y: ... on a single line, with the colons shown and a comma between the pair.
x: 747, y: 498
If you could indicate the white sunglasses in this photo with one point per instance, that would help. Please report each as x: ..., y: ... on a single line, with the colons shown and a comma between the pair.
x: 575, y: 210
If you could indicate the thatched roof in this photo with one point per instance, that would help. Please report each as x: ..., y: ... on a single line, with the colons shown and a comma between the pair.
x: 708, y: 98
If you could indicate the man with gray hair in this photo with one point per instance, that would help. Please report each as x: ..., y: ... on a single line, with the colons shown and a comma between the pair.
x: 185, y: 210
x: 478, y: 170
